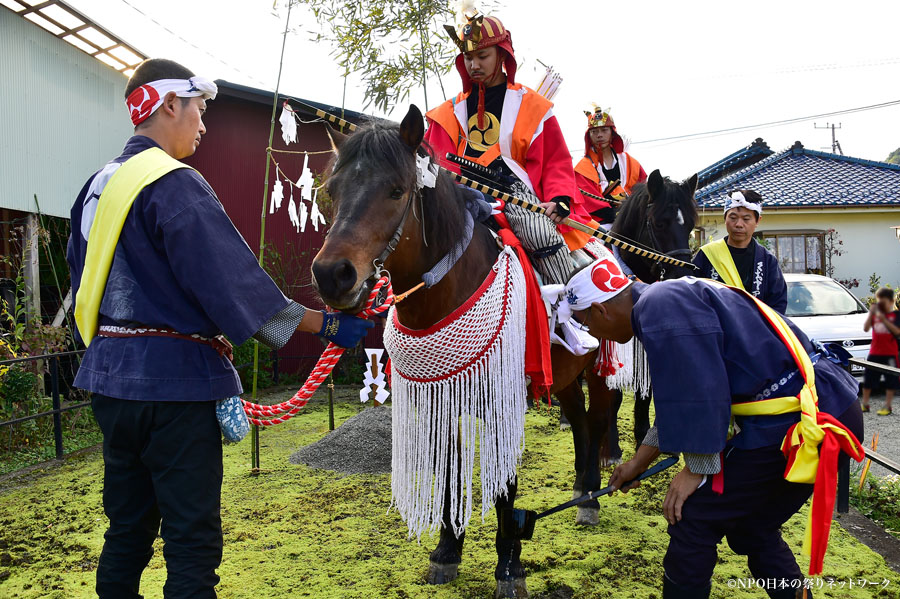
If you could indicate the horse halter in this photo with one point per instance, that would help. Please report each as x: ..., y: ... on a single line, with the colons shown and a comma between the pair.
x: 378, y: 263
x: 683, y: 254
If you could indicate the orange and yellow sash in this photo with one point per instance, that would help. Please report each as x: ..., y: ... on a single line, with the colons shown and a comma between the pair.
x: 812, y: 445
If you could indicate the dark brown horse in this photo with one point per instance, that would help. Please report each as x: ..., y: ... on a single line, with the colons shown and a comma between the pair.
x: 377, y: 206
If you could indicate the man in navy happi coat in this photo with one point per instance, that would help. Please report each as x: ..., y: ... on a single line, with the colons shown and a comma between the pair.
x: 738, y: 259
x: 181, y: 269
x: 711, y: 348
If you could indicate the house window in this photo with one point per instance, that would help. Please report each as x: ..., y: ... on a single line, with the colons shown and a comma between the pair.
x: 798, y: 252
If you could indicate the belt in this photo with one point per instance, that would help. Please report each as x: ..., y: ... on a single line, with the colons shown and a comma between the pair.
x: 218, y: 343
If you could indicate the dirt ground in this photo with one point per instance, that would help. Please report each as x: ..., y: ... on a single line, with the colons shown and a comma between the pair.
x: 295, y: 531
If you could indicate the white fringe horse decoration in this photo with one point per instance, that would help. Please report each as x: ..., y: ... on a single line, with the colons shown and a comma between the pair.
x: 459, y: 384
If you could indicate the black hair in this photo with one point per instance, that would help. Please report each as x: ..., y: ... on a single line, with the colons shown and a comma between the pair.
x: 154, y: 69
x: 753, y: 197
x: 885, y: 293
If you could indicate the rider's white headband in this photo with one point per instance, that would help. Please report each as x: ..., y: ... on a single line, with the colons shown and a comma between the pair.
x: 144, y: 101
x: 598, y: 283
x: 737, y: 200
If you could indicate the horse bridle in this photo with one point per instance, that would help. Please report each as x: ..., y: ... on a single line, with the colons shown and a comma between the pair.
x: 378, y: 263
x: 683, y: 254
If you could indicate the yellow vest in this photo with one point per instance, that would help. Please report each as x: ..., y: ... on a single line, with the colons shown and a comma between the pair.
x: 720, y: 257
x: 113, y: 208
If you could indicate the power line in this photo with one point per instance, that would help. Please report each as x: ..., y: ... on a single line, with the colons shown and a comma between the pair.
x: 189, y: 43
x: 790, y: 121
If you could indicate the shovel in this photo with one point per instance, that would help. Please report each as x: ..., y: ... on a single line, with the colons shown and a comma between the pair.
x: 518, y: 524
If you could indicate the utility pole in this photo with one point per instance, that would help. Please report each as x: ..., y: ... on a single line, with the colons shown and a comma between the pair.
x: 835, y: 144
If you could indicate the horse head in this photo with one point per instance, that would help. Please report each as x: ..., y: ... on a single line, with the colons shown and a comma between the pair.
x: 383, y: 220
x: 660, y: 215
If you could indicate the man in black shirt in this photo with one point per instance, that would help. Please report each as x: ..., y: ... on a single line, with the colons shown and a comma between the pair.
x: 738, y: 260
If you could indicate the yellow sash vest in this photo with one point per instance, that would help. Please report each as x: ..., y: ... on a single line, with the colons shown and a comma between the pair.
x: 720, y: 258
x: 113, y: 208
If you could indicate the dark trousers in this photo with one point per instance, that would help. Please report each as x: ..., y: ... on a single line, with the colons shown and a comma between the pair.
x: 756, y: 502
x: 162, y: 464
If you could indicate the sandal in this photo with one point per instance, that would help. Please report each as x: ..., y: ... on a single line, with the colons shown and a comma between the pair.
x: 885, y: 412
x: 865, y: 409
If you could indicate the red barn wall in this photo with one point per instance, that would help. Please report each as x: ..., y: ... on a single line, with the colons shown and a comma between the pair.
x: 232, y: 157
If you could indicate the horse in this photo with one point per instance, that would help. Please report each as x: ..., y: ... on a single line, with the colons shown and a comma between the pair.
x: 383, y: 222
x: 659, y: 214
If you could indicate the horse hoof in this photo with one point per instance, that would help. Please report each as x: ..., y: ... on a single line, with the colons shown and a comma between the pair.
x: 564, y: 426
x: 442, y: 573
x: 511, y: 589
x: 587, y: 516
x: 607, y: 462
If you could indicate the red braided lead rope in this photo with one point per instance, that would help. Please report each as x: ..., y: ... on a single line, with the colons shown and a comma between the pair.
x: 286, y: 410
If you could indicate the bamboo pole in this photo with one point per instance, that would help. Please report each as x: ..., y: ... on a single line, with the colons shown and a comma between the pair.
x: 254, y: 451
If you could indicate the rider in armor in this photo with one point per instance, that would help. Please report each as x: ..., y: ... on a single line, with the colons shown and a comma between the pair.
x: 511, y: 130
x: 606, y: 169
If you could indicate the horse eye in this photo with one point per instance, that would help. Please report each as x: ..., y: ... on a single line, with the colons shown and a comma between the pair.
x: 397, y: 194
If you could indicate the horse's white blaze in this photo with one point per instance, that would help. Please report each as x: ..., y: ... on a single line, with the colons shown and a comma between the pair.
x: 680, y: 217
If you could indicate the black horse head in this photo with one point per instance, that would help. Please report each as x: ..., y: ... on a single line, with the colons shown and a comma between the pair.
x: 659, y: 215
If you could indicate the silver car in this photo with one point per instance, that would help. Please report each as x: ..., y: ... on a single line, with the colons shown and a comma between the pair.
x: 827, y: 312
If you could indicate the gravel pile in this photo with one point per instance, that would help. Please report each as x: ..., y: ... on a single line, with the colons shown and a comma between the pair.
x: 361, y: 445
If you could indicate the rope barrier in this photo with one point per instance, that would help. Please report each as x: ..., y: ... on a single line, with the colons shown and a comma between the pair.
x: 262, y: 415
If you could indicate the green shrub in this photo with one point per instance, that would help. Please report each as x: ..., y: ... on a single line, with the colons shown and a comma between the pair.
x: 879, y: 500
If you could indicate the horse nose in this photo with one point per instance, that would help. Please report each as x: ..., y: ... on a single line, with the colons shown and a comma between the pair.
x: 334, y: 279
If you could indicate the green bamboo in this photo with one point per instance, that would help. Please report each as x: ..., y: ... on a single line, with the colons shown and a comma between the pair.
x: 254, y: 451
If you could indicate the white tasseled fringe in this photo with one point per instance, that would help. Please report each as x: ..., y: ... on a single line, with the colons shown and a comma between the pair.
x: 635, y: 372
x: 437, y: 424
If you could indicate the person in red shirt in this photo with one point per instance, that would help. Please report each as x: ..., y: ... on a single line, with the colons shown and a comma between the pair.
x: 884, y: 320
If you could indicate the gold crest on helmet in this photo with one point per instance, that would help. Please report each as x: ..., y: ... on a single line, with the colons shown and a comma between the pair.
x: 598, y: 117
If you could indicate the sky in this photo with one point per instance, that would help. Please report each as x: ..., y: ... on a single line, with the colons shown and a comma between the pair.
x: 663, y: 68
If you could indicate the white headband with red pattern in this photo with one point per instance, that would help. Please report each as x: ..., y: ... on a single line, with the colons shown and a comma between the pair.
x: 595, y: 284
x: 144, y: 101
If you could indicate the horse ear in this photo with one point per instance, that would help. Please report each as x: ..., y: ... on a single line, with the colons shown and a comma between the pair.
x: 412, y: 128
x: 336, y: 137
x: 655, y: 184
x: 690, y: 185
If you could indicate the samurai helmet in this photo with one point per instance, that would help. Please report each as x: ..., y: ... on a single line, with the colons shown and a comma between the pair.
x: 598, y: 117
x: 475, y: 31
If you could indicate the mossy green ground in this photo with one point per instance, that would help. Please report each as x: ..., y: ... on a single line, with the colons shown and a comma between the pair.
x: 298, y: 532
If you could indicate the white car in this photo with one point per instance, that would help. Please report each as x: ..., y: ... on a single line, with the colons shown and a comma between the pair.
x: 827, y: 312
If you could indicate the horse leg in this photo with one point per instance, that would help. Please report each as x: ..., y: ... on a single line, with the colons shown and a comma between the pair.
x: 571, y: 400
x: 598, y: 415
x: 510, y: 573
x: 641, y: 416
x: 444, y: 561
x: 614, y: 451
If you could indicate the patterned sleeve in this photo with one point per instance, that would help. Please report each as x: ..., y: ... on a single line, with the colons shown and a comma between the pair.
x: 276, y: 332
x: 698, y: 463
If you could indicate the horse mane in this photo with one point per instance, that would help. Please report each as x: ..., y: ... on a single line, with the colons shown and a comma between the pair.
x: 378, y: 143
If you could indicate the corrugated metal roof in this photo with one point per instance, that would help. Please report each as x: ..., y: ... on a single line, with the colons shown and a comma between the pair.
x: 66, y: 23
x: 799, y: 177
x: 62, y: 117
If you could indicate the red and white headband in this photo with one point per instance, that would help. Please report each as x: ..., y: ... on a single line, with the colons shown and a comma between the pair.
x: 598, y: 283
x: 144, y: 101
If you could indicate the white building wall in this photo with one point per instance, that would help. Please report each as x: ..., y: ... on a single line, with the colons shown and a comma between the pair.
x: 870, y: 244
x: 62, y: 117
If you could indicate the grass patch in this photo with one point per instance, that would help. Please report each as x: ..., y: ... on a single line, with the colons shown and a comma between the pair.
x: 879, y: 500
x: 298, y: 532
